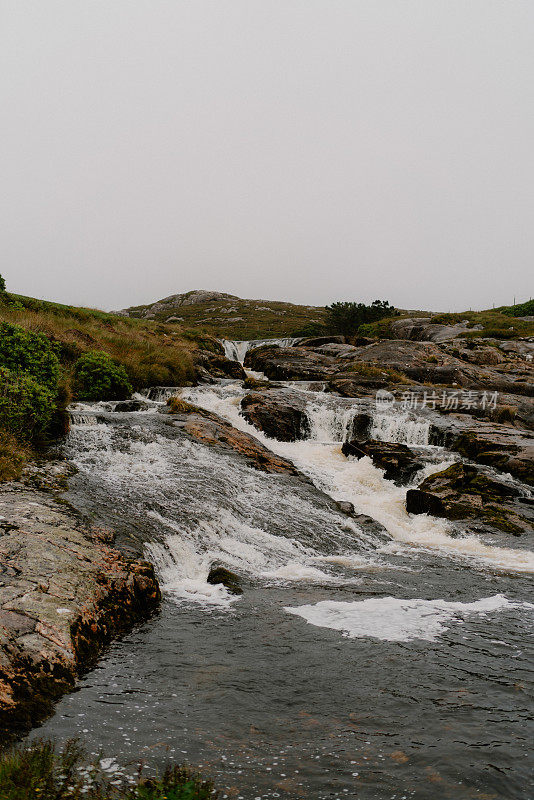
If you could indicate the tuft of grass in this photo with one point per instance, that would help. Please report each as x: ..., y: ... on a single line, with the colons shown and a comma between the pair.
x: 178, y: 406
x: 40, y: 771
x: 367, y: 370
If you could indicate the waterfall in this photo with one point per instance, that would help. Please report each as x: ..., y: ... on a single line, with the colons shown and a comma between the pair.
x: 83, y: 419
x: 159, y: 394
x: 330, y: 423
x: 399, y: 427
x: 237, y: 350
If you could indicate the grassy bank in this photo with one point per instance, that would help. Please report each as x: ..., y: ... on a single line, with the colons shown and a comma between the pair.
x: 90, y: 354
x: 41, y: 771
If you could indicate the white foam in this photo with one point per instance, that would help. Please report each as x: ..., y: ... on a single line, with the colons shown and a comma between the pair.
x: 363, y: 484
x: 396, y: 620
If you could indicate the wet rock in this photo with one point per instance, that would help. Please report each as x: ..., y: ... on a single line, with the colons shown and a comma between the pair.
x: 500, y: 446
x: 210, y: 429
x: 217, y: 366
x: 64, y: 594
x: 229, y: 579
x: 279, y: 413
x: 399, y: 462
x: 462, y: 492
x: 131, y: 405
x: 345, y: 507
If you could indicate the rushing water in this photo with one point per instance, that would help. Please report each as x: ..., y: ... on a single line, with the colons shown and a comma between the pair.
x: 358, y: 663
x: 237, y: 350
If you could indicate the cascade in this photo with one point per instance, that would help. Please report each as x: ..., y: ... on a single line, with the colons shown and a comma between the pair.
x: 237, y: 350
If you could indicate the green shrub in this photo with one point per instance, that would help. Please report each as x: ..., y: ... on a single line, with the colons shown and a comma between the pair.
x: 32, y: 353
x: 26, y: 406
x: 38, y: 771
x: 98, y: 377
x: 346, y: 318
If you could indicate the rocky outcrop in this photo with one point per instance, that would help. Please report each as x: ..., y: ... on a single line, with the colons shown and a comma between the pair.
x: 279, y: 413
x: 500, y: 446
x: 174, y: 301
x: 208, y: 428
x: 423, y: 329
x: 64, y: 594
x: 462, y: 492
x: 399, y: 462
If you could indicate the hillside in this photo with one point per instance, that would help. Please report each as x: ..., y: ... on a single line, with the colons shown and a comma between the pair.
x: 226, y: 316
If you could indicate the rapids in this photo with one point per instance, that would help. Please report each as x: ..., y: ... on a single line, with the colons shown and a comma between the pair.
x: 360, y: 662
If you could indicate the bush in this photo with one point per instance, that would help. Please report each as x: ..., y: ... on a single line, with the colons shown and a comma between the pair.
x: 26, y: 406
x: 98, y: 377
x: 346, y: 318
x: 37, y: 771
x: 32, y: 353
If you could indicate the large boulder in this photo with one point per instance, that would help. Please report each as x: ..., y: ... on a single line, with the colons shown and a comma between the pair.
x: 399, y: 462
x: 463, y: 492
x: 279, y: 413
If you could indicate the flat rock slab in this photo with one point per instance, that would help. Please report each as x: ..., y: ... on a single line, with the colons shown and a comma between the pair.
x: 64, y: 594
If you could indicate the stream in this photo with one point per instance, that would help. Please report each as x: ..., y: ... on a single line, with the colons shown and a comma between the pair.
x: 361, y: 661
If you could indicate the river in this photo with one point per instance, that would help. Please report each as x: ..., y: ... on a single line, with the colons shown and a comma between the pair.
x: 359, y: 662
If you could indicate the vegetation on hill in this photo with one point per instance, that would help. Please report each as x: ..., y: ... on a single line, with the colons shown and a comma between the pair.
x: 237, y: 318
x: 39, y: 771
x: 519, y: 310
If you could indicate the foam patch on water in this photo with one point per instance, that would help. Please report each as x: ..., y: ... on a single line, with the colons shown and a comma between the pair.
x: 395, y: 620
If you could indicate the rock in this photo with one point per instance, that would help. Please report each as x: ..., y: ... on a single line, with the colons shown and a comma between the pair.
x: 218, y: 366
x: 345, y: 507
x: 291, y: 363
x: 493, y: 444
x: 462, y: 492
x: 399, y: 462
x: 423, y: 329
x: 210, y: 429
x: 229, y: 579
x: 320, y: 340
x: 64, y: 594
x: 279, y: 413
x: 131, y: 405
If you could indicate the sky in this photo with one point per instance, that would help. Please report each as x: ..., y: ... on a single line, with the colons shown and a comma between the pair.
x: 301, y: 150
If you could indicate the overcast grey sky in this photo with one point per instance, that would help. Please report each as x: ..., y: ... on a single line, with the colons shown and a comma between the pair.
x: 308, y: 150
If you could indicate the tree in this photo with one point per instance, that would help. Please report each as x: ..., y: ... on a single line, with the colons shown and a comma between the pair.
x: 345, y: 318
x: 2, y: 286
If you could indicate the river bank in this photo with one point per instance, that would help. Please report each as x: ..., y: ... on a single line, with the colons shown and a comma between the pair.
x: 65, y: 592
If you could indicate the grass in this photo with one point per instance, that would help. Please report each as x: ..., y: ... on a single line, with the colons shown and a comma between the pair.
x: 13, y: 456
x: 152, y: 354
x: 40, y: 771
